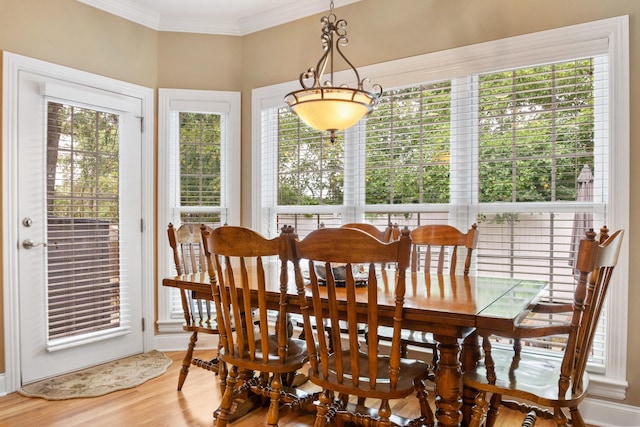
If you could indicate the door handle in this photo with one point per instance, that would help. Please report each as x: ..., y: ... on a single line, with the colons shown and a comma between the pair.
x: 28, y: 244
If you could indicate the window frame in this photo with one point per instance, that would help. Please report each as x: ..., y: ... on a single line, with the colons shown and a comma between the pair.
x: 170, y: 102
x: 610, y: 36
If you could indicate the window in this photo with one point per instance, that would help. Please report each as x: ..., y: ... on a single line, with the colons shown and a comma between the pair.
x: 538, y: 138
x: 199, y: 173
x: 501, y: 140
x: 83, y: 218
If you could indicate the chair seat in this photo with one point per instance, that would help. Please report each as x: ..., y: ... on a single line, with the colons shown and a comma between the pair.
x: 204, y: 326
x: 525, y: 377
x: 410, y: 369
x: 295, y: 359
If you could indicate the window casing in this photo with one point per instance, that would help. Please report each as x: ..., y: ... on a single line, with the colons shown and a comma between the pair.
x: 199, y: 174
x: 451, y: 157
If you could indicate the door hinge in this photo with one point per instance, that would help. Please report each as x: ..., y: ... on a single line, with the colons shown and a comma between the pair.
x: 143, y: 325
x: 142, y: 225
x: 141, y: 124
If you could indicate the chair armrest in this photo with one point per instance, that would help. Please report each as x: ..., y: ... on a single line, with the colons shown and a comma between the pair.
x: 552, y: 307
x: 198, y: 290
x: 538, y: 331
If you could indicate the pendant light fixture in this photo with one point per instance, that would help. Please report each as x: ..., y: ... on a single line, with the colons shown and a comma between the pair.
x: 320, y: 103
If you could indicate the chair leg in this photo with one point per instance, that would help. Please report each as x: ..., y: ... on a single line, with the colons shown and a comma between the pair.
x: 186, y: 362
x: 434, y: 363
x: 403, y: 349
x: 517, y: 347
x: 322, y: 415
x: 331, y: 338
x: 274, y: 413
x: 559, y: 417
x: 222, y: 373
x: 530, y: 419
x: 434, y: 357
x: 468, y: 401
x: 426, y: 414
x: 199, y: 306
x: 488, y: 360
x: 478, y: 410
x: 576, y: 418
x: 384, y: 413
x: 224, y: 411
x: 494, y: 410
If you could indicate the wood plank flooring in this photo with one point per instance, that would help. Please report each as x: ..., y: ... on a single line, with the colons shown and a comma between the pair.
x: 157, y: 403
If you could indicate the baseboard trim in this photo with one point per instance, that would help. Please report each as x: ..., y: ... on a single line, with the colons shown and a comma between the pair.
x: 609, y: 414
x: 3, y: 385
x: 179, y: 342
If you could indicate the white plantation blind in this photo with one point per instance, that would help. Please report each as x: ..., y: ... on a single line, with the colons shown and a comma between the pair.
x: 199, y: 149
x: 408, y: 146
x: 196, y: 167
x: 309, y: 175
x: 542, y: 173
x: 404, y: 159
x: 83, y: 232
x: 196, y: 173
x: 507, y: 150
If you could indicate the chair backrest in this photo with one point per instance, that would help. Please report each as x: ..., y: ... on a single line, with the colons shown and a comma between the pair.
x: 186, y: 244
x: 595, y: 264
x: 343, y: 248
x: 188, y: 256
x: 438, y: 242
x: 390, y: 233
x: 244, y: 262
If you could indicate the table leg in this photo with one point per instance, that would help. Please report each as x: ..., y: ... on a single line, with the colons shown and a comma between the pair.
x: 448, y: 382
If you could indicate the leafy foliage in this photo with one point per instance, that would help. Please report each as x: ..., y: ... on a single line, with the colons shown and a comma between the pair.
x: 82, y: 163
x: 534, y: 126
x: 536, y: 131
x: 200, y: 159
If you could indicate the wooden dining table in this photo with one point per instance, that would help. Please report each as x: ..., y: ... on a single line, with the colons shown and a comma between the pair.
x: 449, y: 307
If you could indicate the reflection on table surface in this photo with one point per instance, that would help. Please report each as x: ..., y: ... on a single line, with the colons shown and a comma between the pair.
x: 428, y: 298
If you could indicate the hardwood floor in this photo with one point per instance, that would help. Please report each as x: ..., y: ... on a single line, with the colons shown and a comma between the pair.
x: 157, y: 403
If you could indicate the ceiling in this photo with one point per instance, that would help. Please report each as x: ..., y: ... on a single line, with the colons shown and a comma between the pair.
x: 225, y: 17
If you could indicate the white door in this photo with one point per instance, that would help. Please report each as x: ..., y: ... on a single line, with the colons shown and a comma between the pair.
x: 80, y: 240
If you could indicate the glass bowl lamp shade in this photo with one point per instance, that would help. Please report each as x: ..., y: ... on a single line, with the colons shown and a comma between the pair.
x: 331, y: 109
x: 323, y: 105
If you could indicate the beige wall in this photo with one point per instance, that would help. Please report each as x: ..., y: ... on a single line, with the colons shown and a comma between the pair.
x: 69, y: 33
x: 72, y: 34
x: 198, y: 61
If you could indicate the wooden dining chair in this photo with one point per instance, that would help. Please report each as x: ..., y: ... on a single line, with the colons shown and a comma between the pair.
x: 545, y: 387
x: 389, y: 233
x: 434, y: 250
x: 189, y: 258
x: 352, y: 373
x: 255, y: 344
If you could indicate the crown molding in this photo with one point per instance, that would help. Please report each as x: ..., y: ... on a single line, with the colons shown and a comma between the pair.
x: 208, y: 24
